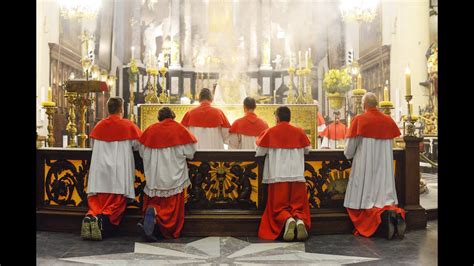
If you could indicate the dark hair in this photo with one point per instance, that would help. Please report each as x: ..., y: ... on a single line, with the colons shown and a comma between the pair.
x: 165, y: 113
x: 283, y: 113
x: 250, y: 103
x: 114, y: 105
x: 337, y: 113
x: 205, y: 94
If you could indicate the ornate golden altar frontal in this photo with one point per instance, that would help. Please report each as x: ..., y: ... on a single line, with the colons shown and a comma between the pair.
x: 302, y: 115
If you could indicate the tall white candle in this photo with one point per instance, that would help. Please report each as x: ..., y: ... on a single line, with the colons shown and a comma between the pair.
x: 408, y: 81
x: 299, y: 59
x: 133, y: 51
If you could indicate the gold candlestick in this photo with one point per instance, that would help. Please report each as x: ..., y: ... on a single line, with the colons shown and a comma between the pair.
x: 300, y: 99
x: 83, y: 103
x: 71, y: 125
x: 308, y: 83
x: 163, y: 95
x: 131, y: 116
x: 50, y: 111
x: 291, y: 98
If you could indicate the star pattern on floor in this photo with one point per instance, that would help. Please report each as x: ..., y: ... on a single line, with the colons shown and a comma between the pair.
x: 219, y: 250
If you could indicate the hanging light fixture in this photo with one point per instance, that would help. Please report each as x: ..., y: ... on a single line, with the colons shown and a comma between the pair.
x: 80, y: 9
x: 359, y: 10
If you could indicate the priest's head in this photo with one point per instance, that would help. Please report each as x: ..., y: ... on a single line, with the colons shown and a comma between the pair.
x: 337, y: 116
x: 370, y: 100
x: 165, y: 113
x: 249, y: 104
x: 115, y: 106
x: 282, y: 114
x: 205, y: 95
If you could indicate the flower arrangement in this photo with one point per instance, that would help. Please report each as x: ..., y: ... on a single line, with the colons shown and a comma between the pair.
x: 152, y: 71
x: 337, y: 81
x: 433, y: 62
x: 132, y: 71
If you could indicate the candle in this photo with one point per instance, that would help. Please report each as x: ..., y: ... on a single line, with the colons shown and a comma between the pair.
x: 309, y: 53
x: 50, y: 94
x: 348, y: 121
x: 291, y: 61
x: 385, y: 94
x: 299, y: 59
x: 306, y: 59
x: 274, y: 96
x: 408, y: 81
x: 133, y: 50
x: 359, y: 81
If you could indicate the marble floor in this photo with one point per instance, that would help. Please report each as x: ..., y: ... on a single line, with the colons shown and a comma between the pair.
x: 429, y: 200
x: 418, y: 248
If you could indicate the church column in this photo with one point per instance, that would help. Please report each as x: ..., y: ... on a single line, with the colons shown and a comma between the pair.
x: 406, y: 29
x: 265, y: 46
x: 187, y: 52
x: 136, y: 32
x: 253, y: 53
x: 175, y: 28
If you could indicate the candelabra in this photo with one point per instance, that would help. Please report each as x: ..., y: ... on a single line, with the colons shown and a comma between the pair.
x: 83, y: 102
x: 291, y: 97
x: 308, y: 83
x: 132, y: 102
x: 71, y: 125
x: 163, y: 97
x: 300, y: 73
x: 151, y: 87
x: 409, y: 127
x: 50, y: 111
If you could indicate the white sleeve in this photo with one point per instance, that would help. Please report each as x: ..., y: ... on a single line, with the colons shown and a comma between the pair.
x: 325, y: 143
x: 307, y: 149
x: 225, y: 134
x: 234, y: 141
x: 189, y: 150
x: 261, y: 151
x: 351, y: 147
x: 135, y: 145
x: 141, y: 149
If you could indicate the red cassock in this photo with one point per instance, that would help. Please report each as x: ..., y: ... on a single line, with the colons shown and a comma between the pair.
x: 372, y: 124
x: 112, y: 128
x: 285, y: 199
x: 249, y: 125
x: 205, y: 115
x: 169, y: 210
x: 335, y: 131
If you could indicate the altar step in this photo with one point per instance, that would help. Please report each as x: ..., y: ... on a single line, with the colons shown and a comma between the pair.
x: 200, y: 223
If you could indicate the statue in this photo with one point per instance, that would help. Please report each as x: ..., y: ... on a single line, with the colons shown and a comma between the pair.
x: 277, y: 61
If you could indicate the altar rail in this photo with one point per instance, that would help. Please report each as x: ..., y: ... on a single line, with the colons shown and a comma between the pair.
x: 226, y: 196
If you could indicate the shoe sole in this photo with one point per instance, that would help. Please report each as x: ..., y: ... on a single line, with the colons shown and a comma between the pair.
x: 391, y: 226
x: 96, y: 234
x: 401, y: 227
x: 301, y: 233
x: 86, y: 229
x: 290, y: 232
x: 149, y: 223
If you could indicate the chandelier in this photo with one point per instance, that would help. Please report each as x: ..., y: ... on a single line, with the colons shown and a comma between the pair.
x: 80, y: 9
x: 359, y: 10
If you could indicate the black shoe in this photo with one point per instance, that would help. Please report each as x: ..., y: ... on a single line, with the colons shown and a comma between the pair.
x: 149, y: 224
x: 401, y: 226
x: 387, y: 227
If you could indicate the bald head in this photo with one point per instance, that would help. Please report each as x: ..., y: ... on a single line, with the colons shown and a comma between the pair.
x: 370, y: 100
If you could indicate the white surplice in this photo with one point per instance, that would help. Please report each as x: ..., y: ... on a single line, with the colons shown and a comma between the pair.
x: 331, y: 143
x: 372, y: 181
x: 241, y: 142
x: 166, y: 169
x: 210, y: 137
x: 283, y: 165
x: 112, y: 168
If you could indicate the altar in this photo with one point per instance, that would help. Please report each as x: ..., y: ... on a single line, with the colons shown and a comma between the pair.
x: 302, y: 115
x: 226, y: 195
